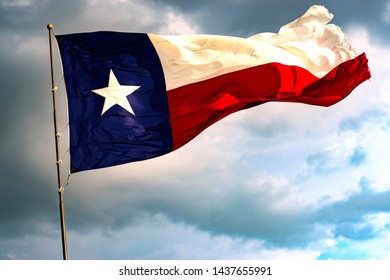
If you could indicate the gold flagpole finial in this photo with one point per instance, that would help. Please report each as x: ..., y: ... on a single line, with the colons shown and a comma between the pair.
x: 50, y: 26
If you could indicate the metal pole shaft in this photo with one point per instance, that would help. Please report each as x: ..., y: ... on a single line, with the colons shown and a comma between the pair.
x: 57, y: 135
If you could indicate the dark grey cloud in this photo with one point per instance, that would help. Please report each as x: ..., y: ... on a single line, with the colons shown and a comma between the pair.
x: 252, y: 16
x: 208, y: 211
x: 356, y: 207
x: 228, y: 207
x: 28, y: 193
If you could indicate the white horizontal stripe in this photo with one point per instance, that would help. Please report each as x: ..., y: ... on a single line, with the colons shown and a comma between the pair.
x: 309, y: 42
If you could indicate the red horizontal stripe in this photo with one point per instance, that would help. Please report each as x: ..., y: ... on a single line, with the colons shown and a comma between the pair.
x: 195, y: 107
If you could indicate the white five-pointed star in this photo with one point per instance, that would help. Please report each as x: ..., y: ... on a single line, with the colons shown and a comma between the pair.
x: 116, y: 94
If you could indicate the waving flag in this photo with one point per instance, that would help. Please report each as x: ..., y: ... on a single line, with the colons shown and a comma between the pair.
x: 137, y: 96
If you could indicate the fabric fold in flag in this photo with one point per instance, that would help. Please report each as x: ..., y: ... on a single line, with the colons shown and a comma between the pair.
x: 134, y: 96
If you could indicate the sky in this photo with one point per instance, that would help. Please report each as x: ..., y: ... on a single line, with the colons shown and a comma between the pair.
x: 278, y: 181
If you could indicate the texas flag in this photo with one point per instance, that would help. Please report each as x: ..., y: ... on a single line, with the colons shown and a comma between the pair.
x: 134, y: 96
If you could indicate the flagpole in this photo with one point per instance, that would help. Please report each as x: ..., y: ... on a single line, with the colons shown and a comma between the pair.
x: 58, y: 163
